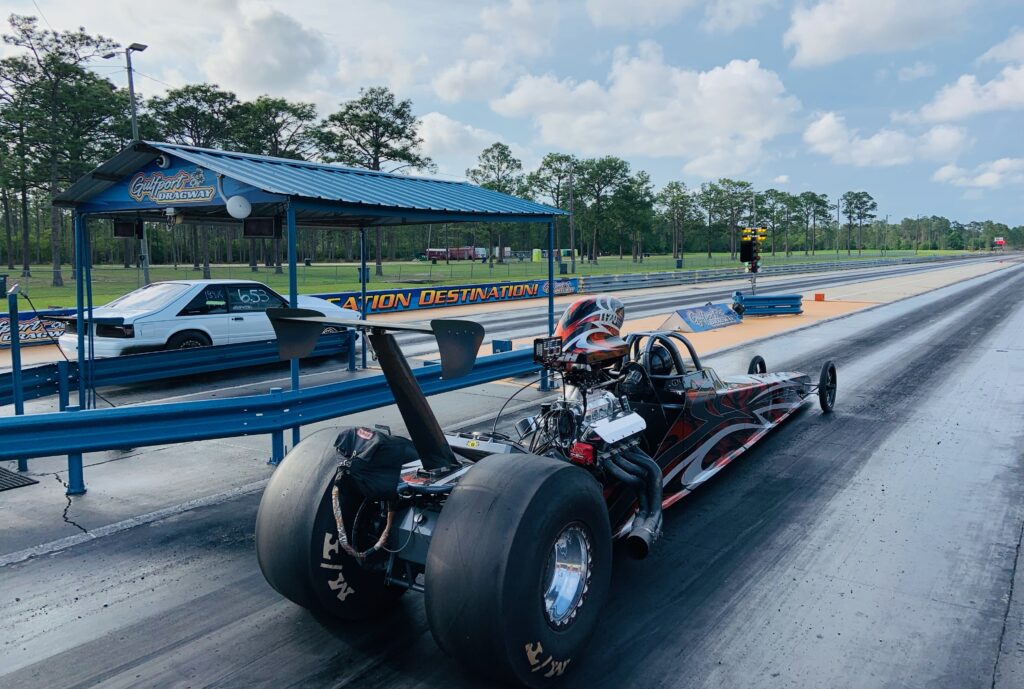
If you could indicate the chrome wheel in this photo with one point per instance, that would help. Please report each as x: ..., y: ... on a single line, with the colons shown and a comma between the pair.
x: 567, y: 575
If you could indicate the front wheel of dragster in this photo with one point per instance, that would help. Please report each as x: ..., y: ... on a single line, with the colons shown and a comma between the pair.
x: 827, y: 385
x: 518, y: 568
x: 757, y: 365
x: 297, y: 540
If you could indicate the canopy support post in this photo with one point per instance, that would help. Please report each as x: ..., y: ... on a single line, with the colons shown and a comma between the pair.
x: 363, y: 310
x: 91, y: 334
x: 545, y: 384
x: 293, y: 295
x: 80, y: 324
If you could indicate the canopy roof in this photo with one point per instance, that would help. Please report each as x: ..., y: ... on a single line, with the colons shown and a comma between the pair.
x: 146, y: 179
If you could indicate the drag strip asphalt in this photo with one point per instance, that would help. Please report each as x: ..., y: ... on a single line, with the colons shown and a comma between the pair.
x: 874, y: 547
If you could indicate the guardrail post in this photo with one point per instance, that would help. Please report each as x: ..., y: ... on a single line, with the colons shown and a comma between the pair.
x: 351, y: 335
x: 76, y: 474
x: 276, y: 439
x: 62, y: 385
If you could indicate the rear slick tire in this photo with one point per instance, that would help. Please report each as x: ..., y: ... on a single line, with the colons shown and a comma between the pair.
x: 297, y: 540
x: 518, y: 568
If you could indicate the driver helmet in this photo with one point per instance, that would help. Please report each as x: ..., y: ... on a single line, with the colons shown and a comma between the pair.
x: 591, y: 331
x: 659, y: 360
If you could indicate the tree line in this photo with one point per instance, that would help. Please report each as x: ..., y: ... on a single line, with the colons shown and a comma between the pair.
x: 59, y: 118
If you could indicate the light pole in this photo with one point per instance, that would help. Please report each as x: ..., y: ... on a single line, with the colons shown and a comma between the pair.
x: 133, y: 48
x: 136, y: 48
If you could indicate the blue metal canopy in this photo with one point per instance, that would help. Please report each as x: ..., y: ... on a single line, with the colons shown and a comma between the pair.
x: 321, y: 194
x: 162, y: 182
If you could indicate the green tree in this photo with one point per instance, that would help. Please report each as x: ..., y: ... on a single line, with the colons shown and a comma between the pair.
x: 711, y: 200
x: 273, y: 127
x: 631, y: 211
x: 13, y: 117
x: 792, y: 212
x: 59, y: 111
x: 771, y: 206
x: 497, y: 169
x: 551, y: 181
x: 374, y: 131
x: 815, y: 208
x: 735, y: 199
x: 598, y: 179
x: 858, y: 207
x: 678, y: 207
x: 194, y: 115
x: 955, y: 236
x: 848, y: 204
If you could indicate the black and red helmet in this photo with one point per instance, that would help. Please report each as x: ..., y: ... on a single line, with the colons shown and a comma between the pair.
x: 590, y: 330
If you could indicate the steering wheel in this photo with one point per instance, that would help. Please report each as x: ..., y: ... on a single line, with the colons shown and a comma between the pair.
x: 646, y: 355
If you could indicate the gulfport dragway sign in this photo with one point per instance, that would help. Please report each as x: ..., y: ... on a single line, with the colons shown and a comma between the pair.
x: 700, y: 318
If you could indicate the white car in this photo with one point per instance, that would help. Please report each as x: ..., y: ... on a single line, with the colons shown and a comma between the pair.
x: 188, y: 313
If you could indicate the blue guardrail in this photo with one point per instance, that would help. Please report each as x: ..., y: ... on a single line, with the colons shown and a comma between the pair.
x: 75, y: 432
x: 56, y: 379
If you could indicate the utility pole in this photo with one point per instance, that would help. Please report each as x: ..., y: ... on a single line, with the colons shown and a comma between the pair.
x: 839, y: 226
x: 572, y: 223
x: 136, y: 48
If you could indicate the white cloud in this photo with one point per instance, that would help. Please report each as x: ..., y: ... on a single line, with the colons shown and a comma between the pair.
x: 455, y: 145
x: 832, y: 30
x: 728, y: 15
x: 623, y: 14
x: 781, y: 179
x: 829, y: 135
x: 444, y: 136
x: 918, y: 70
x: 717, y: 120
x: 967, y: 96
x: 720, y: 16
x: 991, y: 175
x: 374, y: 64
x: 1010, y: 50
x: 491, y: 57
x: 269, y: 53
x: 519, y: 27
x: 472, y: 78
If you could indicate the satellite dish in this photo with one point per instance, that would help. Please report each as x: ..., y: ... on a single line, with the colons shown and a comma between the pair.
x: 239, y: 208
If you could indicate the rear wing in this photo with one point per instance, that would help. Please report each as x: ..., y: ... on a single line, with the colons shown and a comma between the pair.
x: 458, y: 341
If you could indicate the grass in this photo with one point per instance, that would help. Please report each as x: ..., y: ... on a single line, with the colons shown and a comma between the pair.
x: 110, y: 282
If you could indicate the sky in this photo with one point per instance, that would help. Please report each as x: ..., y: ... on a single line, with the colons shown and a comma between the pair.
x: 918, y: 102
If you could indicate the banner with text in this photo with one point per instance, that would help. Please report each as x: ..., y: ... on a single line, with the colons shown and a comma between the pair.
x: 409, y: 298
x: 32, y: 330
x: 700, y: 318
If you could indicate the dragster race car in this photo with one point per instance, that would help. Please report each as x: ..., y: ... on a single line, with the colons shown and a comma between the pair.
x: 510, y: 539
